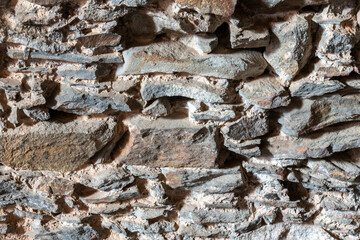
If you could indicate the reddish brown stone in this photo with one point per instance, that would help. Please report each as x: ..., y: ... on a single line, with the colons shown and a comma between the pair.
x: 218, y: 7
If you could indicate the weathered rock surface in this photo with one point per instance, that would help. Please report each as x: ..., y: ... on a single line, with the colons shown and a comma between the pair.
x: 199, y: 88
x: 170, y: 57
x: 319, y: 113
x: 79, y: 100
x: 316, y: 145
x: 264, y: 92
x: 56, y: 145
x: 307, y: 87
x: 290, y: 46
x: 187, y: 144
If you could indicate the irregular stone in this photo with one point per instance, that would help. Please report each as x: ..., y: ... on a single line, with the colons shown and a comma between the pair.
x: 79, y: 101
x: 82, y: 72
x: 265, y: 92
x: 159, y: 108
x: 316, y: 114
x: 307, y: 87
x: 191, y: 214
x: 248, y: 148
x: 145, y: 144
x: 204, y: 180
x: 224, y: 7
x: 292, y: 231
x: 290, y: 46
x: 336, y: 12
x: 328, y: 69
x: 212, y: 112
x: 55, y: 145
x: 112, y: 196
x: 92, y: 11
x: 251, y: 37
x: 105, y: 177
x: 150, y: 213
x: 170, y: 57
x: 335, y: 42
x: 100, y: 40
x: 251, y: 125
x: 27, y: 12
x: 128, y: 3
x: 37, y: 114
x: 194, y: 87
x: 316, y: 145
x: 202, y: 43
x: 80, y: 231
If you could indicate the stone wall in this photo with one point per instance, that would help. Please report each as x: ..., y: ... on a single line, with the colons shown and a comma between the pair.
x: 179, y: 119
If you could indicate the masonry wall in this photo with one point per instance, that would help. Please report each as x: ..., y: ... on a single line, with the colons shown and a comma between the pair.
x: 179, y: 119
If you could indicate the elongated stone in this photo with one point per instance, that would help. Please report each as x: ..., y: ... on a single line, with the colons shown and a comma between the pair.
x: 316, y: 114
x: 290, y: 46
x: 316, y: 145
x: 56, y: 145
x: 194, y: 87
x: 170, y: 57
x: 204, y: 180
x: 187, y: 144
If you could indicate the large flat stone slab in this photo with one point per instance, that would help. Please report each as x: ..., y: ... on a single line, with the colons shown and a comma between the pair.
x: 58, y: 146
x: 169, y: 143
x: 171, y: 56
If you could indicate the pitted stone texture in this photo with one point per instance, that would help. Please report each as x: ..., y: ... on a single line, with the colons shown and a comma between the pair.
x: 187, y: 144
x: 170, y: 57
x: 56, y: 145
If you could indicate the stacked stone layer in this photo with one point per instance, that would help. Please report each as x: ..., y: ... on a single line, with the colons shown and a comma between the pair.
x: 179, y: 119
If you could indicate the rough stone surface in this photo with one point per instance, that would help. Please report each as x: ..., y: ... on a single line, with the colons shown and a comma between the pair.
x: 179, y: 120
x: 290, y: 46
x: 170, y: 57
x: 43, y: 145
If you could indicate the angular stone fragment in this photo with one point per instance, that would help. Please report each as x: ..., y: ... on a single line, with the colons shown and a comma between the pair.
x: 316, y: 114
x: 27, y: 12
x: 159, y: 108
x: 204, y: 180
x: 169, y: 142
x: 128, y: 3
x: 336, y: 12
x: 37, y: 113
x: 74, y: 231
x: 316, y: 145
x: 251, y: 37
x: 99, y: 40
x: 249, y: 126
x: 112, y: 196
x: 105, y: 177
x: 335, y: 42
x: 290, y: 46
x: 307, y: 87
x: 248, y: 148
x: 93, y: 11
x: 170, y: 57
x: 352, y: 81
x: 79, y: 101
x: 213, y: 112
x: 55, y: 145
x: 217, y: 7
x: 203, y: 43
x: 194, y: 87
x: 265, y: 92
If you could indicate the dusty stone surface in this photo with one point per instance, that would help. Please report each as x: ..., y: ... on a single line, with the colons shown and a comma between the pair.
x: 183, y: 119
